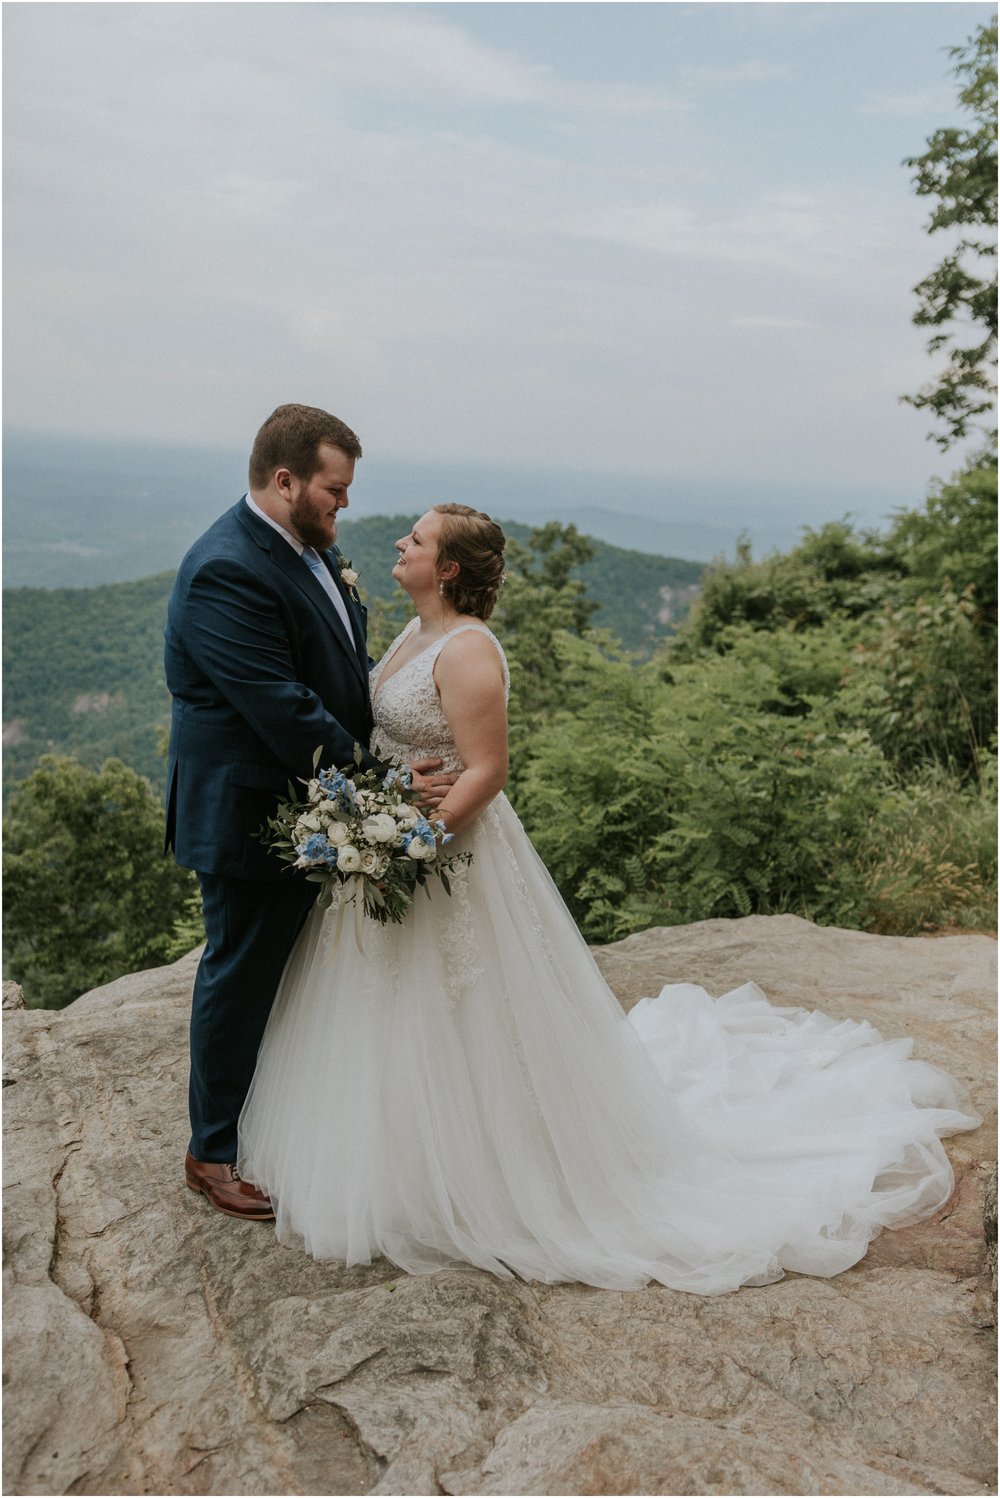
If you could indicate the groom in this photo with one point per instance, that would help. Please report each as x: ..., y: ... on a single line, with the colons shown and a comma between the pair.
x: 266, y: 661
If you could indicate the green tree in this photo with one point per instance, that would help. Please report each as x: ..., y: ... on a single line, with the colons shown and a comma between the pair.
x: 959, y: 168
x: 952, y: 538
x: 541, y: 596
x: 923, y: 682
x: 541, y: 599
x: 833, y: 573
x: 88, y: 894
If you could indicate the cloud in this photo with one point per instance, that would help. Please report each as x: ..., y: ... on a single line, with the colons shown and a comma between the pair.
x: 753, y: 70
x: 789, y: 232
x: 403, y: 54
x: 778, y: 324
x: 930, y: 101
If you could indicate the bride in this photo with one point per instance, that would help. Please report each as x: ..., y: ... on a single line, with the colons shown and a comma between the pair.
x: 467, y: 1088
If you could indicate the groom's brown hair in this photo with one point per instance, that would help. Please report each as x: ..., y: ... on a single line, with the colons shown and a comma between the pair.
x: 290, y: 438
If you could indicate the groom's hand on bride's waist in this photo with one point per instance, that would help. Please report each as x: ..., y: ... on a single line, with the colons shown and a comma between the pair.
x: 431, y: 787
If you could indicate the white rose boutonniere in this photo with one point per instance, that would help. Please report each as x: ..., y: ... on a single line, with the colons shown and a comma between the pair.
x: 348, y: 577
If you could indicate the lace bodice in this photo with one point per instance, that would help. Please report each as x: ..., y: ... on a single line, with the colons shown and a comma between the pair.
x: 409, y: 720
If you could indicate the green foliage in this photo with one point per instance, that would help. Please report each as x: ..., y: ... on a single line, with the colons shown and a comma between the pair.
x: 702, y: 793
x: 540, y: 597
x: 952, y: 538
x: 83, y: 674
x: 386, y: 619
x: 88, y: 894
x: 905, y: 623
x: 959, y: 168
x: 812, y: 741
x: 832, y: 573
x: 929, y: 859
x: 587, y: 782
x: 923, y: 680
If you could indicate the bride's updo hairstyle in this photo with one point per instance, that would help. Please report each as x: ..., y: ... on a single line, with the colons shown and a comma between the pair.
x: 476, y: 543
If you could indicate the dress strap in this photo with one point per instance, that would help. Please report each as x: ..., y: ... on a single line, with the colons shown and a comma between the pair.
x: 481, y: 629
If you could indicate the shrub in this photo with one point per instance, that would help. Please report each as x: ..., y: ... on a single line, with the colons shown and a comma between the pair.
x: 929, y: 860
x: 656, y: 801
x: 88, y: 893
x: 745, y: 783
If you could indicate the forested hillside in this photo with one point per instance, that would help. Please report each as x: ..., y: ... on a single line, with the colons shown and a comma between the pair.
x: 83, y: 666
x: 83, y: 675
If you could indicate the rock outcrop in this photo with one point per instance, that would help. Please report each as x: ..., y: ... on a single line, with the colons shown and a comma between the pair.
x: 154, y: 1346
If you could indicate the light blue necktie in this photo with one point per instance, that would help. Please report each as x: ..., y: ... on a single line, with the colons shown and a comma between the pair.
x: 316, y: 565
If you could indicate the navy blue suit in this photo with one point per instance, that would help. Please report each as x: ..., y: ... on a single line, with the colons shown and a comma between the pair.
x: 262, y: 673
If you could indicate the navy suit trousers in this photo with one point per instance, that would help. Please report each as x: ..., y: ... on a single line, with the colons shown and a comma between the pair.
x: 250, y: 928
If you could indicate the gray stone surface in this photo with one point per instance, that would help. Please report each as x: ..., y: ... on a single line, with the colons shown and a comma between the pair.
x: 153, y: 1346
x: 13, y: 996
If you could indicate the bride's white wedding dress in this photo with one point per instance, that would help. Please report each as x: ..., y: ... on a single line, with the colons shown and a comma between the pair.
x: 468, y: 1090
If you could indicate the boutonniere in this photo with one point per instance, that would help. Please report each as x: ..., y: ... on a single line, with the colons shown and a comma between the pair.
x: 348, y: 577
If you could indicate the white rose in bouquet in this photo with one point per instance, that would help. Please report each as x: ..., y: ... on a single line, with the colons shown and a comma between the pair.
x: 420, y: 850
x: 379, y: 829
x: 307, y: 823
x: 338, y: 833
x: 374, y: 863
x: 406, y: 815
x: 348, y: 859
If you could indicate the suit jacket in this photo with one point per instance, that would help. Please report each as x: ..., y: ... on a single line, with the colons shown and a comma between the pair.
x: 262, y: 673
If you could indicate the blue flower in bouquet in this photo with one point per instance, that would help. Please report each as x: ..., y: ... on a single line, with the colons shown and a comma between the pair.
x: 316, y: 849
x: 335, y: 783
x: 420, y: 842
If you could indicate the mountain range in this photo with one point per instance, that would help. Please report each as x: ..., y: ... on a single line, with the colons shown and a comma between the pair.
x: 81, y: 512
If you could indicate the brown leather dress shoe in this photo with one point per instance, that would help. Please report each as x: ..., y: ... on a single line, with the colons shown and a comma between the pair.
x: 226, y: 1189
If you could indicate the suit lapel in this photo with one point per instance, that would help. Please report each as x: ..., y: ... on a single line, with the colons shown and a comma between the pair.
x: 292, y: 565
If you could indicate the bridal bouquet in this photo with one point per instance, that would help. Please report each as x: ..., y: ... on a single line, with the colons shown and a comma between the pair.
x: 363, y: 834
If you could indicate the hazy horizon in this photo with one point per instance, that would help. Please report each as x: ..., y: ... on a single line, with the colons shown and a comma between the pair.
x: 121, y: 510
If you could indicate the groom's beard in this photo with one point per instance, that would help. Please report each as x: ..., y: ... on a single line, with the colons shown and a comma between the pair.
x: 319, y: 532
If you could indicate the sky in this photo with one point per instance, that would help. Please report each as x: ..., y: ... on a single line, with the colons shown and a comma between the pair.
x: 664, y: 241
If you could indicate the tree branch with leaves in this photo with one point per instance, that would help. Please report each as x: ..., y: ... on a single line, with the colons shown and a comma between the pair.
x: 959, y: 168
